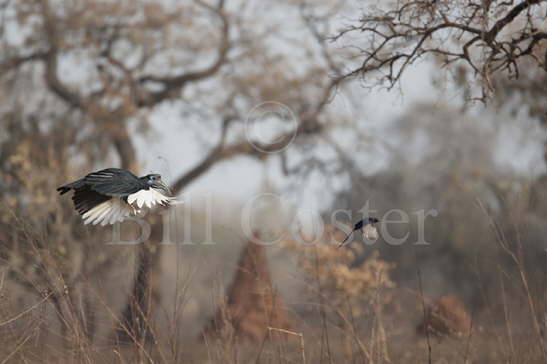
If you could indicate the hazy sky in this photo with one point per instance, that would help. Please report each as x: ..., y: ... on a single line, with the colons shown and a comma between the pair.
x: 172, y: 148
x: 179, y: 148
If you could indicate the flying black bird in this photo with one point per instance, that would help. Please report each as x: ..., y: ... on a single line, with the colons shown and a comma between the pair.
x: 360, y: 225
x: 110, y: 195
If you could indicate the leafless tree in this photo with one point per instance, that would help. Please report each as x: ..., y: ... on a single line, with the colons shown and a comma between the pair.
x: 489, y: 37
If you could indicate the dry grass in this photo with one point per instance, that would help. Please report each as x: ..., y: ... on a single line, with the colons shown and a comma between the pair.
x: 350, y: 312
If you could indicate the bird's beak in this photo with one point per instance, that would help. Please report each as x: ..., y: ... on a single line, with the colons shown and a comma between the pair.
x: 164, y: 187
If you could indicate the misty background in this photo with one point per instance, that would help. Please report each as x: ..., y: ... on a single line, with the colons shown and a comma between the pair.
x: 237, y: 102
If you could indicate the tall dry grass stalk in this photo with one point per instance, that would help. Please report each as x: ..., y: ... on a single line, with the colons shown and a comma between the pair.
x: 514, y: 251
x: 351, y: 288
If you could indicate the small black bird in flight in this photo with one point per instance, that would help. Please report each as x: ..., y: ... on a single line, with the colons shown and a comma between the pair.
x: 110, y: 195
x: 365, y: 224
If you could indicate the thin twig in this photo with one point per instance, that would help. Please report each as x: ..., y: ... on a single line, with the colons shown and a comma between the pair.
x: 24, y: 312
x: 425, y: 314
x: 302, y: 347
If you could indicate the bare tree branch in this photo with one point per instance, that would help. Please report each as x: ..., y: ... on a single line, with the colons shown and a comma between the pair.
x: 511, y: 15
x: 401, y: 35
x: 173, y: 84
x: 52, y: 79
x: 14, y: 62
x: 215, y: 155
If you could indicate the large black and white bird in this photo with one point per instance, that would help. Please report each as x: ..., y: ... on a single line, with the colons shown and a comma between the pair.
x: 111, y: 195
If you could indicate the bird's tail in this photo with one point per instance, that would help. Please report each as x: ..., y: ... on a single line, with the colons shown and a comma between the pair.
x: 65, y: 188
x: 346, y: 239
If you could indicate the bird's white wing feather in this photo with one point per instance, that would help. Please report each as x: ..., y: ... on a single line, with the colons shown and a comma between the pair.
x: 108, y: 212
x: 103, y: 215
x: 94, y: 214
x: 148, y: 198
x: 116, y: 210
x: 119, y: 212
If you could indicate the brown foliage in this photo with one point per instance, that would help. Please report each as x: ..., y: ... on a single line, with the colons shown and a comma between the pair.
x: 342, y: 276
x: 446, y: 317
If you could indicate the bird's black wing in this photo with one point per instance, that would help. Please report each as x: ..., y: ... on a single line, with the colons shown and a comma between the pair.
x: 114, y: 182
x: 85, y: 199
x: 70, y: 186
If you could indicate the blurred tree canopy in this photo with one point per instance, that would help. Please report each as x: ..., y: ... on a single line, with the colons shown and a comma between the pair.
x: 494, y: 50
x: 79, y: 79
x: 490, y: 226
x: 444, y: 160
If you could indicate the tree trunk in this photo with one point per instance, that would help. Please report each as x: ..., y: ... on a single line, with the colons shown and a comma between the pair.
x: 136, y: 314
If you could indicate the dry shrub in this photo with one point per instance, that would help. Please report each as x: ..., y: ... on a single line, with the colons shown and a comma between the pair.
x: 446, y: 317
x: 18, y: 325
x: 341, y: 273
x: 349, y: 285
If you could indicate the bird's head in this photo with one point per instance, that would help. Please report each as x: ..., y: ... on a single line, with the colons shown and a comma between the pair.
x: 154, y: 181
x: 373, y: 220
